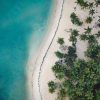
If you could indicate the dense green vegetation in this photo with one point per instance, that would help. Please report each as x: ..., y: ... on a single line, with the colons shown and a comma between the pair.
x: 98, y: 95
x: 79, y: 79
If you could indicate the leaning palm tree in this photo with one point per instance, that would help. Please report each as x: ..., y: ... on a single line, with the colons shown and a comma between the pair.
x: 98, y: 34
x: 74, y: 34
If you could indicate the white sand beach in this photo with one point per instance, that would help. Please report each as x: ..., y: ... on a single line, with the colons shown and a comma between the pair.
x: 39, y: 69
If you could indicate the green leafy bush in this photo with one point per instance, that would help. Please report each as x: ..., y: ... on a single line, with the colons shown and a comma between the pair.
x: 88, y: 30
x: 78, y: 77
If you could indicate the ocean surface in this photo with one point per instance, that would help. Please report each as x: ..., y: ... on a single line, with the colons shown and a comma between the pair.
x: 19, y: 21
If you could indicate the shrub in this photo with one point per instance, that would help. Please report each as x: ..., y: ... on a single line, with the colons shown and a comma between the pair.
x: 83, y: 37
x: 92, y: 12
x: 91, y: 39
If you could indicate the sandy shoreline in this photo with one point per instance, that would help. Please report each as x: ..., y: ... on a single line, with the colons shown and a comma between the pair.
x: 56, y: 12
x: 32, y: 63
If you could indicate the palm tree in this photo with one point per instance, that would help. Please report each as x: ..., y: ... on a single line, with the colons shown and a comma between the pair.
x: 74, y: 32
x: 75, y: 20
x: 92, y: 39
x: 92, y: 12
x: 82, y: 3
x: 52, y: 86
x: 61, y: 41
x: 88, y: 30
x: 83, y: 37
x: 89, y: 19
x: 98, y: 34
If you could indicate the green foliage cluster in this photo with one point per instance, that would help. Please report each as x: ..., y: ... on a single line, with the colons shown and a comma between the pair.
x: 74, y: 34
x: 82, y: 3
x: 75, y: 20
x: 61, y: 41
x: 59, y: 54
x: 78, y: 77
x: 92, y: 12
x: 97, y: 2
x: 98, y: 95
x: 89, y: 19
x: 52, y: 86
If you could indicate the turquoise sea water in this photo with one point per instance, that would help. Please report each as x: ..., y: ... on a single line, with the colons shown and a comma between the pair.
x: 19, y: 20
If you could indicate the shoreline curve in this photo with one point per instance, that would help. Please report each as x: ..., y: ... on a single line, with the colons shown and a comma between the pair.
x: 59, y: 10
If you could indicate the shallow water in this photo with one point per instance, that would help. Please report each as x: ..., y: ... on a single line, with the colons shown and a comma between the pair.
x: 19, y: 20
